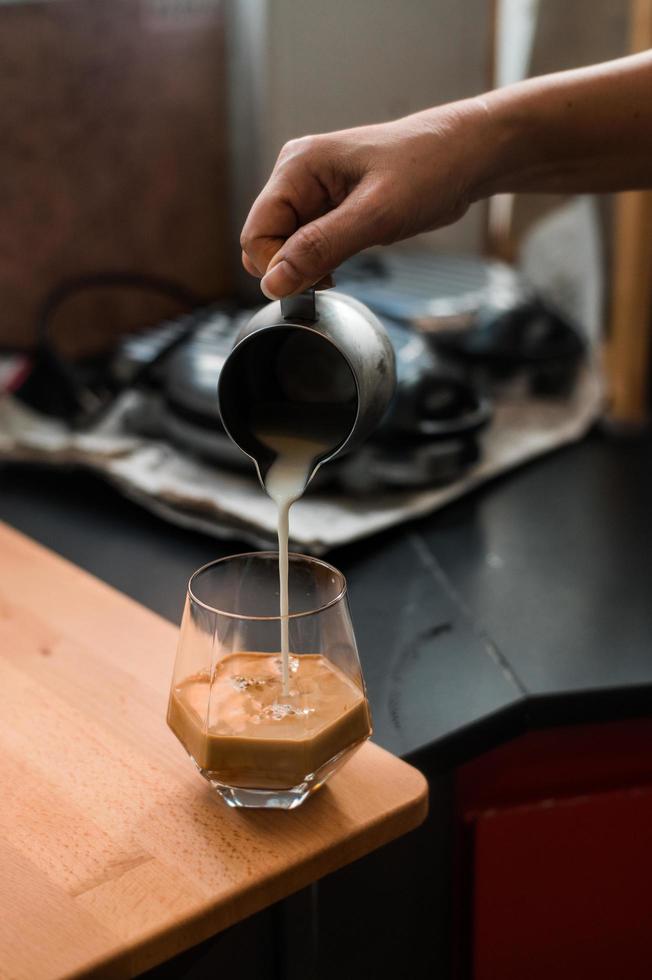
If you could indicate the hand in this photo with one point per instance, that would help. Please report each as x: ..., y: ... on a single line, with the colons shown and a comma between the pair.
x: 333, y: 195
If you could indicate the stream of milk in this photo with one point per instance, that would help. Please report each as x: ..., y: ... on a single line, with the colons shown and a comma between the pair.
x: 285, y: 482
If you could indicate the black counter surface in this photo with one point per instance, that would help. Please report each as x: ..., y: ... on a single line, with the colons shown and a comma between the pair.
x: 528, y: 603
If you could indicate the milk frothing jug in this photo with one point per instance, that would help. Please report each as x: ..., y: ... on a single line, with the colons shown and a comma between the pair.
x: 315, y: 365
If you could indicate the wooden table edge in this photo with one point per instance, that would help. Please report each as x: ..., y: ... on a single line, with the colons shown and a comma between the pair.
x: 146, y: 951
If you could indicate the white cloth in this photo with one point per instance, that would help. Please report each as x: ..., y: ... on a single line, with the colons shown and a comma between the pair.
x: 193, y: 493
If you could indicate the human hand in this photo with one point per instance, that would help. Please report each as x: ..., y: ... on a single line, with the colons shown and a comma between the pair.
x: 332, y: 195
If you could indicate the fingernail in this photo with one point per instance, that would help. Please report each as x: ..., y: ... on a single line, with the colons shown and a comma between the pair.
x: 280, y: 281
x: 266, y: 291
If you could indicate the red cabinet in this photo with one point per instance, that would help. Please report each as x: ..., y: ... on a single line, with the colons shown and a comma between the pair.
x: 555, y: 857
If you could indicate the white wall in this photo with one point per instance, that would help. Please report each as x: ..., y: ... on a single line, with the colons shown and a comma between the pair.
x: 346, y: 62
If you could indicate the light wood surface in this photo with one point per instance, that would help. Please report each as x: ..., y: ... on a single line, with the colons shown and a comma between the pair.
x: 115, y: 854
x: 628, y: 352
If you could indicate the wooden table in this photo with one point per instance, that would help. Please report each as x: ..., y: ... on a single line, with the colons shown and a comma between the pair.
x: 114, y: 853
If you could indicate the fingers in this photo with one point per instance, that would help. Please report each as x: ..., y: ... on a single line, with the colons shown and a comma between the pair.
x: 252, y: 269
x: 315, y: 211
x: 291, y: 197
x: 326, y: 283
x: 321, y: 245
x: 271, y: 221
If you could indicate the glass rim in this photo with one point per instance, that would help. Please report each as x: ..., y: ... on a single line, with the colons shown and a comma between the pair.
x: 309, y: 559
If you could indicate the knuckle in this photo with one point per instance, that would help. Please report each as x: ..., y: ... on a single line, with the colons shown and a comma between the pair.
x: 300, y: 146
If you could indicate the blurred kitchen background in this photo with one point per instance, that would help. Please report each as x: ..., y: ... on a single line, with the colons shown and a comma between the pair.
x: 135, y: 135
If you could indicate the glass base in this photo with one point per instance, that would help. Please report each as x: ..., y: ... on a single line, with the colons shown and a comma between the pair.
x: 268, y: 799
x: 241, y: 797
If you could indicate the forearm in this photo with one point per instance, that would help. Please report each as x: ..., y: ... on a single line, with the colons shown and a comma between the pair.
x: 582, y: 131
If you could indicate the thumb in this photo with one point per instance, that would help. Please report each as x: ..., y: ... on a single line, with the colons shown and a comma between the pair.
x: 318, y: 247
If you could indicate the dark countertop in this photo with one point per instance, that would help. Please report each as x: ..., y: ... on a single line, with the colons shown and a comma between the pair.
x: 528, y: 603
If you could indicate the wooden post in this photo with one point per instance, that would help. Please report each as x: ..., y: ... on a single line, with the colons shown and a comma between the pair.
x: 628, y: 352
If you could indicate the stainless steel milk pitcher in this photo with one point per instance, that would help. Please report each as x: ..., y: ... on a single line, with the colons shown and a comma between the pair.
x: 316, y: 365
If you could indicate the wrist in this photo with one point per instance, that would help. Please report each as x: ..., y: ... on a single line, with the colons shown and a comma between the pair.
x: 481, y: 135
x: 499, y: 142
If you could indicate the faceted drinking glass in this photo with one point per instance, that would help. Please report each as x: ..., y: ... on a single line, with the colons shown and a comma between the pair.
x: 258, y: 744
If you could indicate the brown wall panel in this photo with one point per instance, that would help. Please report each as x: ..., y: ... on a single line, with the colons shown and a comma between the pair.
x: 112, y: 155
